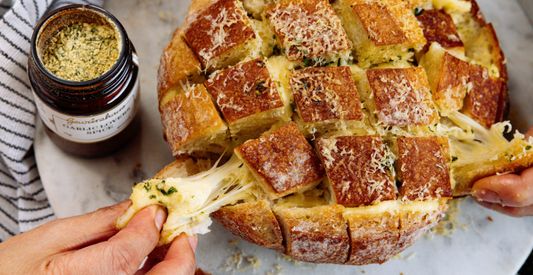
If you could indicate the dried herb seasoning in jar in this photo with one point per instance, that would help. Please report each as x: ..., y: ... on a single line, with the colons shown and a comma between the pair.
x: 84, y: 75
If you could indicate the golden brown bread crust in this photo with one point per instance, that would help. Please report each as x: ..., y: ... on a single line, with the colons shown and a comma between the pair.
x: 424, y: 167
x: 482, y: 101
x: 189, y: 116
x: 201, y: 32
x: 307, y: 28
x: 282, y: 161
x: 393, y: 19
x: 387, y: 32
x: 317, y: 235
x: 477, y: 14
x: 244, y: 90
x: 438, y: 27
x: 404, y: 91
x: 325, y: 93
x: 452, y: 83
x: 373, y: 238
x: 355, y: 169
x: 177, y: 66
x: 254, y: 222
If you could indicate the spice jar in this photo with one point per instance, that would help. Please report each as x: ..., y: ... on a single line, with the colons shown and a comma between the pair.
x: 84, y: 75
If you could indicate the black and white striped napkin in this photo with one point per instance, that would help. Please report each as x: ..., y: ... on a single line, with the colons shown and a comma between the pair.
x: 23, y: 202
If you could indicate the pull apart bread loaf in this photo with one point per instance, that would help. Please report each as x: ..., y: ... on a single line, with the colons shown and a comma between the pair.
x: 348, y: 124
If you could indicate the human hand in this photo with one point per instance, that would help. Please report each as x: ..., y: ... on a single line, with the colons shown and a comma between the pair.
x: 508, y: 194
x: 90, y: 244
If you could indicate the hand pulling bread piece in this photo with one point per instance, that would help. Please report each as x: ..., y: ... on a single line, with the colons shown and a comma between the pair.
x: 190, y: 200
x: 359, y: 169
x: 192, y: 125
x: 326, y: 100
x: 480, y: 152
x: 178, y: 66
x: 381, y: 30
x: 222, y: 34
x: 317, y: 235
x: 254, y: 222
x: 308, y: 31
x: 250, y: 98
x: 399, y: 98
x: 283, y: 162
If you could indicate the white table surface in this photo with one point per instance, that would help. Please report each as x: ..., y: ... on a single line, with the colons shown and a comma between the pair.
x: 76, y: 185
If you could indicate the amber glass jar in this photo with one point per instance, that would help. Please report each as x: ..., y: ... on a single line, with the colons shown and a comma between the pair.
x: 93, y: 117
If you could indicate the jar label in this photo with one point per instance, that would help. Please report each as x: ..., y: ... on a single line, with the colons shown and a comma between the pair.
x: 94, y: 128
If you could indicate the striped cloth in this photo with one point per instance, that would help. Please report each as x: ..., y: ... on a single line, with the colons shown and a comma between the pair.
x: 23, y: 202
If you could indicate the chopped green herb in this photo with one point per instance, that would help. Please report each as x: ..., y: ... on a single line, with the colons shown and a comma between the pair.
x: 418, y: 11
x: 168, y: 192
x: 528, y: 147
x: 147, y: 186
x: 152, y: 197
x: 306, y: 60
x: 454, y: 158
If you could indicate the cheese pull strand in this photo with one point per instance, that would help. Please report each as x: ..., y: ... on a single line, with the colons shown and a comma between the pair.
x: 190, y: 200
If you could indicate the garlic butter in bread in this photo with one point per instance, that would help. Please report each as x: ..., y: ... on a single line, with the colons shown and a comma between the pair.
x: 350, y: 123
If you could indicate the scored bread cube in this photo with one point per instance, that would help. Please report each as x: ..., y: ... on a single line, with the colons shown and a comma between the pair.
x: 448, y: 77
x: 221, y: 35
x: 424, y: 167
x: 399, y: 97
x: 250, y: 99
x: 317, y: 235
x: 308, y: 31
x: 415, y: 222
x: 326, y: 99
x: 254, y: 222
x: 381, y: 30
x: 439, y: 27
x: 358, y: 169
x: 482, y: 102
x: 177, y: 66
x: 373, y: 236
x: 282, y: 161
x: 192, y: 125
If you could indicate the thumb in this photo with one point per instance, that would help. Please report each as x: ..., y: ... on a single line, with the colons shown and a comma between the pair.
x: 122, y: 253
x: 180, y: 259
x: 507, y: 190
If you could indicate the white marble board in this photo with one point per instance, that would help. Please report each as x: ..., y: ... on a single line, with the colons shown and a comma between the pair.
x: 76, y: 185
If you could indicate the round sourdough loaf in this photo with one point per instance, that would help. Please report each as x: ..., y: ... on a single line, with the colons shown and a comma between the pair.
x: 349, y: 123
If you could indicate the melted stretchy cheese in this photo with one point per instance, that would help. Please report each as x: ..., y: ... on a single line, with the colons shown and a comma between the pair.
x: 190, y: 200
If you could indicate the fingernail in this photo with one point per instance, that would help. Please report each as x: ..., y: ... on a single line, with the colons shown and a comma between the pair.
x: 487, y: 196
x: 160, y: 217
x: 193, y: 241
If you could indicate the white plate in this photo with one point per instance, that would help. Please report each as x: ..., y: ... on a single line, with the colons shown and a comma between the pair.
x: 76, y: 186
